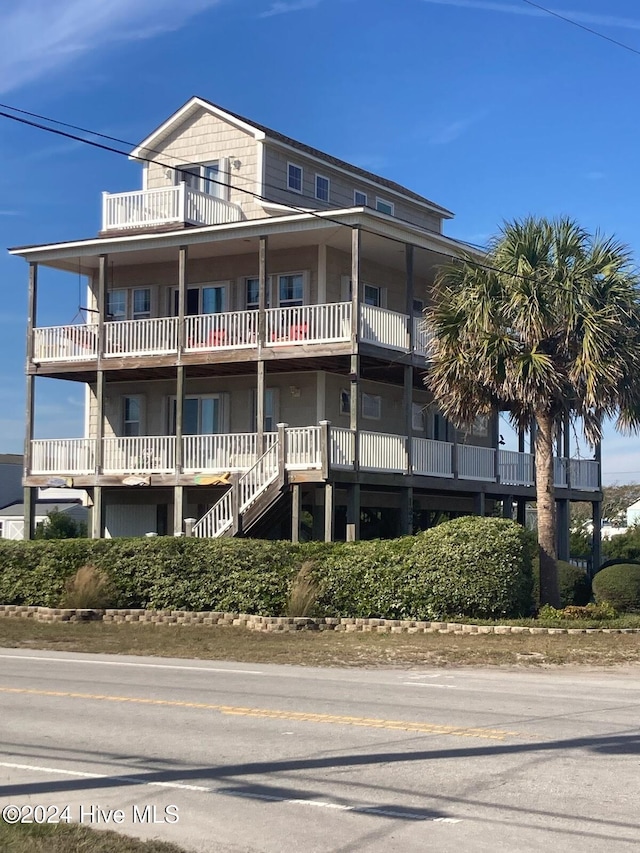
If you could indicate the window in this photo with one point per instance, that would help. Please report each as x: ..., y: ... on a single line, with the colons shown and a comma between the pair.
x: 418, y: 307
x: 322, y: 188
x: 345, y: 402
x: 480, y: 426
x: 201, y: 415
x: 117, y: 305
x: 417, y: 421
x: 290, y: 290
x: 252, y: 293
x: 294, y: 177
x: 359, y: 199
x: 372, y: 295
x: 132, y: 419
x: 1, y: 529
x: 384, y: 206
x: 203, y: 299
x: 270, y: 409
x: 371, y: 406
x: 141, y: 304
x: 206, y: 178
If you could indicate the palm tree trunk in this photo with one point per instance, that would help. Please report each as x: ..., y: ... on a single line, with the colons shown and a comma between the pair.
x: 546, y: 505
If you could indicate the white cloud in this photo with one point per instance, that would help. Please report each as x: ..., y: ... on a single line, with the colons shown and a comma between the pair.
x: 283, y: 7
x: 38, y: 37
x: 529, y: 11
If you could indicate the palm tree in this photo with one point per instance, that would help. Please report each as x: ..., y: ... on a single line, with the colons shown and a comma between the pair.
x: 546, y: 326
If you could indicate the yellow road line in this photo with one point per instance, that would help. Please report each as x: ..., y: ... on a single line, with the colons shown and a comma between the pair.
x: 301, y: 716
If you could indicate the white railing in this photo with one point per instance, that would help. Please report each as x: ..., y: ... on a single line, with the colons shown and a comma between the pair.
x: 63, y: 456
x: 584, y: 474
x: 309, y: 324
x: 250, y: 486
x: 343, y: 447
x: 144, y: 454
x: 382, y: 452
x: 206, y: 209
x: 476, y: 463
x: 432, y: 458
x: 221, y: 452
x: 141, y: 337
x: 516, y: 469
x: 65, y: 343
x: 164, y: 206
x: 560, y: 469
x: 231, y: 329
x: 303, y: 448
x: 421, y: 336
x: 217, y: 520
x: 381, y: 326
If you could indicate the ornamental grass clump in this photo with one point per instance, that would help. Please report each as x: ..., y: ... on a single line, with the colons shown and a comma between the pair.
x: 90, y: 588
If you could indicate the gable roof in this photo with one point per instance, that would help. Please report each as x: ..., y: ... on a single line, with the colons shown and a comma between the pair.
x: 263, y: 133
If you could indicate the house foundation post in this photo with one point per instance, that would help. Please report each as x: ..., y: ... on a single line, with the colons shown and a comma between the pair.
x: 263, y: 283
x: 406, y: 512
x: 507, y: 506
x: 479, y: 504
x: 97, y: 514
x: 521, y: 511
x: 296, y: 506
x: 29, y: 494
x: 562, y: 521
x: 178, y: 510
x: 353, y: 512
x: 329, y: 516
x: 596, y: 537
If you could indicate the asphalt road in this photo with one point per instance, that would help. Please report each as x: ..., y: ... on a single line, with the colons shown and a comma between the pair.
x: 279, y: 759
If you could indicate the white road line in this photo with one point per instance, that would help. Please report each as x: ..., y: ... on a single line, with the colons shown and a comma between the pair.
x: 87, y: 775
x: 322, y: 804
x: 429, y: 684
x: 130, y: 663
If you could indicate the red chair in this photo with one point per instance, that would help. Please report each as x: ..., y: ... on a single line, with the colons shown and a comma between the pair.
x: 218, y: 338
x: 299, y: 332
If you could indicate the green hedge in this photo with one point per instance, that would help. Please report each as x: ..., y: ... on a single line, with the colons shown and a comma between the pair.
x: 573, y: 582
x: 619, y: 585
x: 475, y: 567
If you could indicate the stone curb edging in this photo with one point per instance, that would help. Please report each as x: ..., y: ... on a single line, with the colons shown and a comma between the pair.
x: 282, y: 623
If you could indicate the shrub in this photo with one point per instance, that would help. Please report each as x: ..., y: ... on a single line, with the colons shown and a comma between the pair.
x: 479, y: 567
x: 573, y: 582
x: 89, y: 588
x: 604, y: 610
x: 619, y: 585
x: 626, y: 546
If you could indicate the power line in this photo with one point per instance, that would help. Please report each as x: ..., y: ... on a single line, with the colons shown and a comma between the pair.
x: 307, y: 211
x: 575, y: 23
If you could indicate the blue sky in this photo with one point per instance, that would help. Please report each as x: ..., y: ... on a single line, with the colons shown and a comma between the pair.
x: 489, y: 107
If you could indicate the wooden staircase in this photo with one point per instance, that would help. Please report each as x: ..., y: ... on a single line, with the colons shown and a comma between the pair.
x: 248, y: 499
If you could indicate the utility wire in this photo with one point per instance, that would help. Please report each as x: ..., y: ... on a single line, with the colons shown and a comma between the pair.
x: 575, y: 23
x: 111, y: 149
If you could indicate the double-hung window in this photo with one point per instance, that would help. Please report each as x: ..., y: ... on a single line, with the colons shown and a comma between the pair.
x: 132, y: 416
x: 290, y: 290
x: 125, y: 304
x: 384, y: 206
x: 294, y: 177
x: 371, y: 406
x: 359, y: 199
x: 202, y: 415
x: 117, y: 305
x: 322, y: 188
x: 372, y: 295
x: 203, y: 299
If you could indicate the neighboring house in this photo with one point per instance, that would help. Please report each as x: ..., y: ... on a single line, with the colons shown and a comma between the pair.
x: 633, y: 514
x: 11, y: 465
x: 254, y: 350
x: 12, y: 516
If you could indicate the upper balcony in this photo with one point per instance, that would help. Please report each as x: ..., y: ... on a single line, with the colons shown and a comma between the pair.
x: 301, y: 329
x: 167, y: 206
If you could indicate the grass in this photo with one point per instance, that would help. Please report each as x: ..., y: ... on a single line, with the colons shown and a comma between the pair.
x: 72, y: 838
x: 324, y: 648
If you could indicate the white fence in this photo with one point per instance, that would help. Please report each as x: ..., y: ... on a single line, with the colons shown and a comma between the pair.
x: 257, y: 479
x: 141, y: 337
x: 63, y: 456
x: 303, y: 448
x: 228, y: 330
x: 163, y: 206
x: 217, y: 520
x: 421, y: 336
x: 584, y: 474
x: 476, y: 463
x: 516, y: 469
x: 383, y: 452
x: 310, y: 324
x: 432, y: 458
x: 343, y: 447
x: 65, y: 343
x: 381, y: 326
x: 220, y: 452
x: 140, y: 454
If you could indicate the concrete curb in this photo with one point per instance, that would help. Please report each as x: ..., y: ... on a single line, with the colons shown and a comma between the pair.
x: 282, y: 623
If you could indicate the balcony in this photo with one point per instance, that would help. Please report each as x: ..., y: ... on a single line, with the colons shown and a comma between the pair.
x: 301, y: 326
x: 377, y: 452
x: 176, y: 205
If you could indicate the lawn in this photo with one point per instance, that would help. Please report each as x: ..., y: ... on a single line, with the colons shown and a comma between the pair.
x: 325, y: 648
x: 72, y: 838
